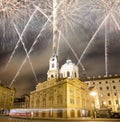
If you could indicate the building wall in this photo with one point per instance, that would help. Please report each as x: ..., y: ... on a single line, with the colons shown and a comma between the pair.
x: 22, y: 102
x: 61, y: 98
x: 108, y: 91
x: 6, y: 97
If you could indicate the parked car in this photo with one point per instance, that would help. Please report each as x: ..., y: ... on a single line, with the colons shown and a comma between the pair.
x: 115, y: 114
x: 103, y: 113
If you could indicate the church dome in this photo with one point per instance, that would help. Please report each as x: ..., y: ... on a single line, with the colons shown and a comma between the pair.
x: 69, y: 69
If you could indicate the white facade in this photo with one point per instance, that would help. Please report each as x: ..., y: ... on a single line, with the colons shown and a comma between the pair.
x: 108, y: 90
x: 69, y: 70
x: 53, y: 71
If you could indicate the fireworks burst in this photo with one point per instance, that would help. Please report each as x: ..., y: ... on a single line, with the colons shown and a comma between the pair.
x: 70, y: 14
x: 13, y: 11
x: 16, y: 9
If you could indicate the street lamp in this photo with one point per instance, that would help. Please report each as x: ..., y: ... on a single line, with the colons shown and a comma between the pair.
x: 93, y: 94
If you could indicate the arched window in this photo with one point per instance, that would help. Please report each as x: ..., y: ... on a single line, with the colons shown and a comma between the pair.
x: 53, y: 65
x: 37, y: 103
x: 44, y: 102
x: 32, y: 104
x: 68, y: 74
x: 72, y: 113
x: 75, y: 74
x: 52, y: 76
x: 53, y: 59
x: 51, y: 100
x: 59, y: 113
x: 79, y: 113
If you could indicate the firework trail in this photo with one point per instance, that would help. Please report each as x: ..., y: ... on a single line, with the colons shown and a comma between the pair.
x: 35, y: 41
x: 69, y: 15
x: 96, y: 32
x: 20, y: 39
x: 26, y: 53
x: 57, y: 32
x: 14, y: 10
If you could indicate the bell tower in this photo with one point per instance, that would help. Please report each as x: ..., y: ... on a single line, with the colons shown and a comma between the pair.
x: 53, y: 66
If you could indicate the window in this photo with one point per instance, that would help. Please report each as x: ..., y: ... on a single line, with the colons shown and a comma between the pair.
x: 59, y: 99
x: 100, y: 88
x: 51, y: 99
x: 106, y: 82
x: 75, y: 74
x: 72, y: 113
x: 107, y: 87
x: 116, y: 101
x: 59, y: 113
x: 114, y: 87
x: 99, y: 82
x: 78, y: 100
x: 93, y: 83
x: 68, y: 74
x: 71, y: 100
x: 113, y: 81
x: 53, y: 65
x: 44, y: 102
x: 109, y: 102
x: 37, y: 103
x: 32, y: 104
x: 53, y: 59
x: 108, y: 94
x: 115, y: 94
x: 52, y: 76
x: 79, y: 113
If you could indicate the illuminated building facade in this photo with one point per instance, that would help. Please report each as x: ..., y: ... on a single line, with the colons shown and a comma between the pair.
x: 6, y: 97
x: 108, y: 90
x: 63, y: 94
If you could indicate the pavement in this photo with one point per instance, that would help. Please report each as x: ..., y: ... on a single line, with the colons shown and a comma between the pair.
x: 72, y: 119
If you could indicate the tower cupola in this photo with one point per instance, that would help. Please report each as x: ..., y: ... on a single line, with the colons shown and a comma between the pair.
x: 69, y: 70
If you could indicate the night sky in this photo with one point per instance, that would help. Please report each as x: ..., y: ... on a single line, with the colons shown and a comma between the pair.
x: 78, y: 25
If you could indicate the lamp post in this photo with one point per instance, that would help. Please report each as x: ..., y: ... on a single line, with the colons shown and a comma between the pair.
x: 93, y: 93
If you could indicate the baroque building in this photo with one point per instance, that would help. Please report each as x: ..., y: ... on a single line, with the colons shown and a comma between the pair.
x: 63, y: 94
x: 108, y: 90
x: 6, y: 98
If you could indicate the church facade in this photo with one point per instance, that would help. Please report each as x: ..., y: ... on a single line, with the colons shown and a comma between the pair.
x: 63, y: 94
